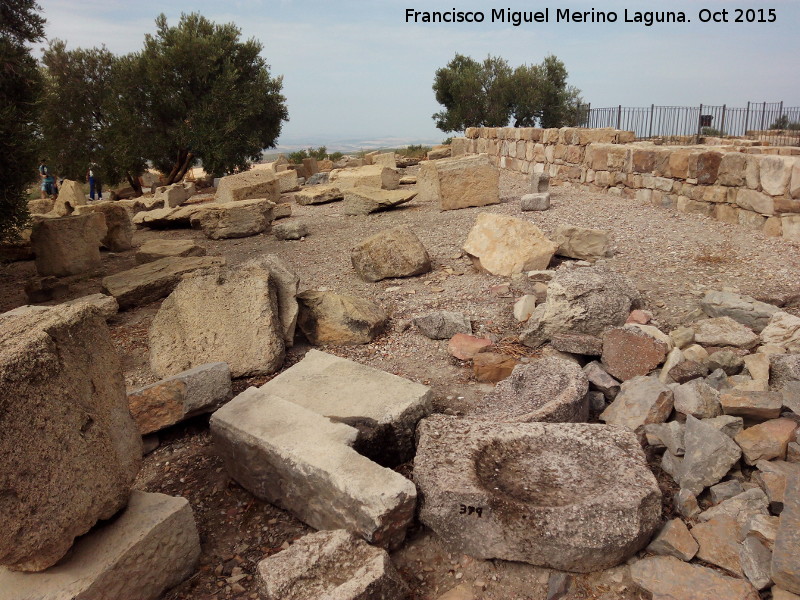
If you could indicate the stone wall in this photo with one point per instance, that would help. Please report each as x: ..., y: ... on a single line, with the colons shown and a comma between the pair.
x: 754, y: 186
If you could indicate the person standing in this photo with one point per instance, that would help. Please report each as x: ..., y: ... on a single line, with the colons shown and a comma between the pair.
x: 48, y: 181
x: 94, y: 184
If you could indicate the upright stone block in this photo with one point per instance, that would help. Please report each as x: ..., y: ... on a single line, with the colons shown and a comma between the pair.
x: 69, y: 245
x: 459, y: 182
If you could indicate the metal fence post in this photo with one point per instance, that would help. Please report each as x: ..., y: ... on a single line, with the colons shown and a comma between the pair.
x: 763, y: 115
x: 722, y: 125
x: 650, y: 130
x: 746, y: 118
x: 699, y: 122
x: 619, y: 115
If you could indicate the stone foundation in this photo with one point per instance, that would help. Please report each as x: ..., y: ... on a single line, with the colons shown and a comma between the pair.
x: 754, y: 186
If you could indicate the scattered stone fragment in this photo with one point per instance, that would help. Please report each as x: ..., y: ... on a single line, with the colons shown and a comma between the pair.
x: 366, y: 200
x: 668, y: 577
x: 150, y: 547
x: 682, y: 337
x: 687, y: 371
x: 726, y: 489
x: 330, y: 564
x: 668, y: 435
x: 384, y: 408
x: 695, y: 353
x: 105, y: 305
x: 588, y: 300
x: 674, y: 358
x: 504, y: 245
x: 724, y: 331
x: 743, y: 309
x: 766, y: 440
x: 600, y: 379
x: 290, y: 230
x: 728, y: 361
x: 70, y: 448
x: 443, y: 324
x: 304, y: 463
x: 219, y: 315
x: 156, y: 249
x: 465, y: 347
x: 319, y: 195
x: 535, y: 202
x: 756, y: 406
x: 524, y: 307
x: 763, y: 528
x: 783, y: 330
x: 698, y: 399
x: 68, y: 245
x: 509, y: 475
x: 551, y: 389
x: 756, y: 560
x: 169, y: 401
x: 742, y: 507
x: 171, y: 196
x: 675, y: 540
x: 709, y: 456
x: 641, y: 401
x: 339, y: 320
x: 577, y: 343
x: 582, y: 243
x: 785, y: 563
x: 718, y: 539
x: 686, y: 504
x: 490, y: 367
x: 395, y: 252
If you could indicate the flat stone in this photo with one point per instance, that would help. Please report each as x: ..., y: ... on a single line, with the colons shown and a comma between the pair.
x: 303, y: 462
x: 339, y: 320
x: 290, y: 230
x: 68, y: 245
x: 442, y: 324
x: 755, y: 559
x: 785, y: 563
x: 695, y: 353
x: 766, y: 440
x: 70, y: 448
x: 490, y: 367
x: 698, y: 399
x: 577, y: 343
x: 718, y: 539
x: 675, y: 540
x: 587, y: 300
x: 319, y: 194
x: 169, y: 401
x: 384, y: 408
x: 742, y: 507
x: 365, y: 177
x: 395, y: 252
x: 641, y: 401
x: 231, y: 220
x: 743, y: 309
x: 724, y: 331
x: 154, y: 538
x: 687, y: 370
x: 504, y: 245
x: 686, y: 504
x: 366, y: 200
x: 629, y: 352
x: 485, y: 484
x: 709, y: 456
x: 156, y: 249
x: 783, y: 330
x: 551, y: 390
x: 756, y: 406
x: 465, y: 347
x: 600, y: 379
x: 668, y: 577
x: 170, y: 218
x: 154, y: 280
x: 582, y: 243
x: 727, y: 489
x: 535, y: 202
x: 667, y: 435
x: 220, y: 315
x: 330, y: 564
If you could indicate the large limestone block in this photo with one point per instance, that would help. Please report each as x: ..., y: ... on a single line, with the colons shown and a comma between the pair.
x: 171, y: 400
x: 69, y: 245
x: 247, y: 185
x: 155, y: 249
x: 505, y: 245
x: 154, y: 280
x: 743, y: 309
x: 586, y: 300
x: 395, y: 252
x: 119, y: 228
x: 70, y: 196
x: 366, y: 200
x: 319, y: 194
x: 459, y: 182
x: 383, y: 407
x: 152, y: 546
x: 220, y: 315
x: 582, y: 243
x: 70, y: 450
x: 330, y: 564
x: 670, y: 578
x: 339, y: 320
x: 304, y: 463
x: 287, y: 283
x: 288, y: 181
x: 370, y: 176
x: 386, y: 159
x: 234, y: 219
x: 567, y: 496
x: 551, y: 390
x: 776, y: 172
x: 171, y: 195
x: 170, y: 218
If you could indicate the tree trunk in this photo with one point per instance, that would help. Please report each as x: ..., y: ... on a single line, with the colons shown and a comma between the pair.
x: 134, y: 181
x: 185, y: 167
x: 181, y: 165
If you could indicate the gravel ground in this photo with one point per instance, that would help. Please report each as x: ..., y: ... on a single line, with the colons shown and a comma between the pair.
x: 673, y: 259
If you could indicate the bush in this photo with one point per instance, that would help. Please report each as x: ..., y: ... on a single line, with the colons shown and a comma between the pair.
x: 711, y: 132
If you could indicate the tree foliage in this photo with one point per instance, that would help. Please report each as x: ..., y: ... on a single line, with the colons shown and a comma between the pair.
x: 20, y: 86
x: 491, y: 94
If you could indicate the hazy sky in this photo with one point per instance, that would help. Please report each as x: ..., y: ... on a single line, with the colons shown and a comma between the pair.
x: 355, y: 70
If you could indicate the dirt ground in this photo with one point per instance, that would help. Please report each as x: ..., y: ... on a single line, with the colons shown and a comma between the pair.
x: 673, y: 259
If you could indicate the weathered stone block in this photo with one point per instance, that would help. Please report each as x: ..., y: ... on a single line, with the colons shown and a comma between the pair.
x: 69, y: 245
x: 248, y: 185
x: 393, y: 252
x: 459, y: 182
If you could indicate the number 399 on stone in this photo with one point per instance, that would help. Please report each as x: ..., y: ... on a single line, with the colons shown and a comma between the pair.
x: 464, y: 509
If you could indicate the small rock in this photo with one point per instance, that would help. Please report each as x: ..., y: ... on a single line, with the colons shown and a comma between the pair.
x: 601, y: 380
x: 698, y: 399
x: 757, y: 406
x: 674, y: 358
x: 290, y: 230
x: 686, y: 504
x: 728, y: 361
x: 642, y: 317
x: 682, y: 337
x: 742, y: 507
x: 709, y: 456
x: 756, y: 561
x: 641, y: 401
x: 523, y: 308
x: 762, y: 527
x: 558, y: 585
x: 442, y: 325
x: 727, y: 424
x: 675, y: 540
x: 465, y: 347
x: 695, y: 353
x: 724, y: 331
x: 535, y: 202
x: 577, y: 343
x: 767, y: 440
x: 687, y: 371
x: 726, y: 489
x: 629, y: 352
x: 490, y: 367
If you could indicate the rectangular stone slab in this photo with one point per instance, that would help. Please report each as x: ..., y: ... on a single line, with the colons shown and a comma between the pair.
x: 383, y: 407
x: 304, y: 463
x: 151, y: 546
x: 786, y: 555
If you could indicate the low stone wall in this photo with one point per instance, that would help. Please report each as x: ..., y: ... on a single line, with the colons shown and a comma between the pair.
x: 755, y: 186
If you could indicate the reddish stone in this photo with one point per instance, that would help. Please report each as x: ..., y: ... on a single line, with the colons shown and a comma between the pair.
x: 641, y: 317
x: 629, y: 352
x: 688, y: 370
x: 465, y: 347
x: 490, y: 367
x: 707, y: 167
